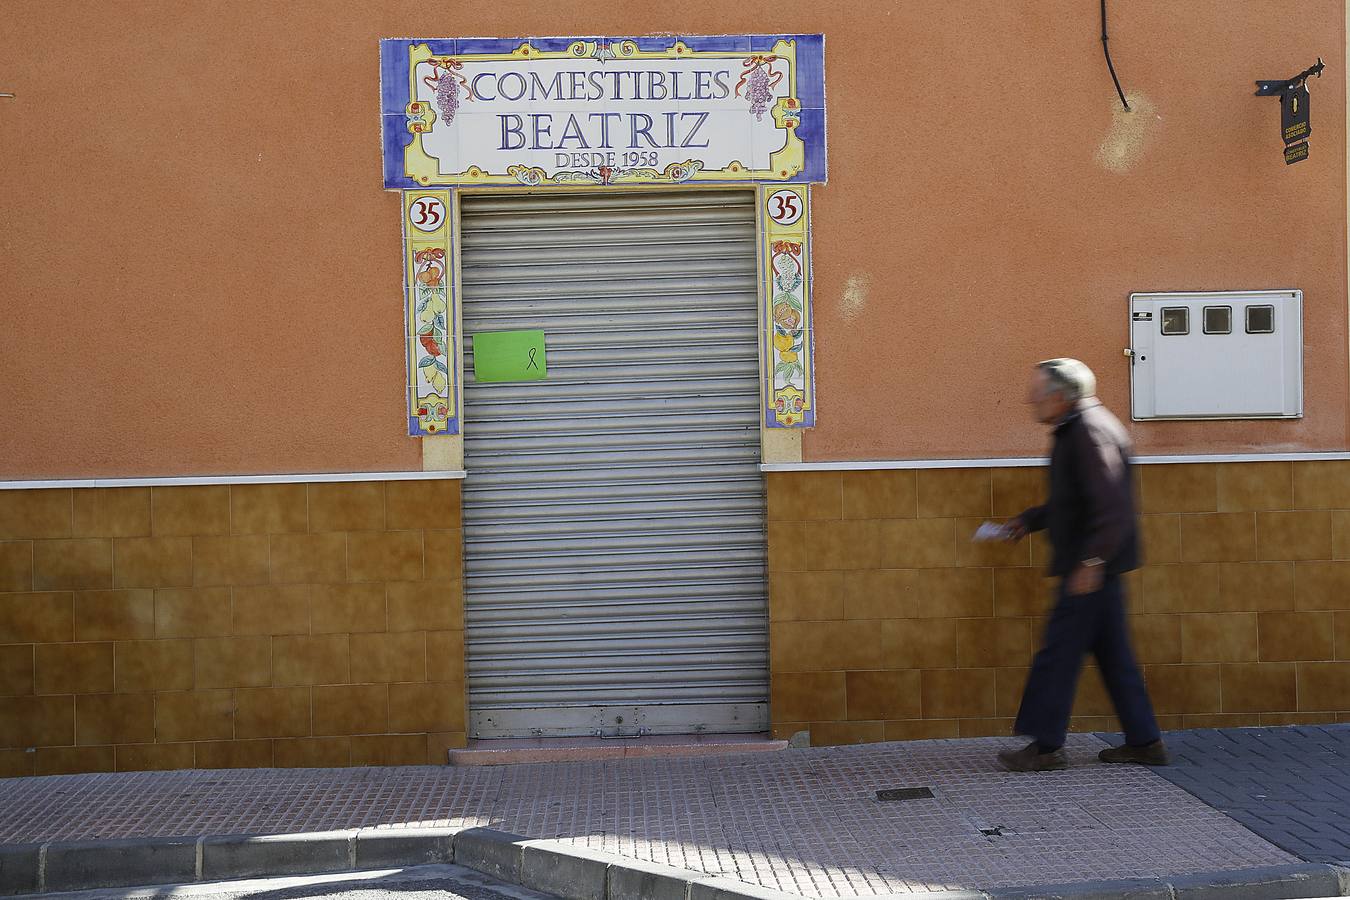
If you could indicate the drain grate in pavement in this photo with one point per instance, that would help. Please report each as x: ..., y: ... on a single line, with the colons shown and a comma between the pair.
x: 915, y: 793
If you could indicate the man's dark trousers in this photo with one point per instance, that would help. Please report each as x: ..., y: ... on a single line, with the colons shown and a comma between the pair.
x: 1095, y: 623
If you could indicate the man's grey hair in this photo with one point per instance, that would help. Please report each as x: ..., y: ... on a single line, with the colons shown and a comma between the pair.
x: 1071, y: 378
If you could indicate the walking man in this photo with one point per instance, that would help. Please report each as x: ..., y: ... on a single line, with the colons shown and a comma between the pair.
x: 1093, y: 536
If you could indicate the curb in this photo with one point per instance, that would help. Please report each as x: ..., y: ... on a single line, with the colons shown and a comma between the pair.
x: 549, y: 866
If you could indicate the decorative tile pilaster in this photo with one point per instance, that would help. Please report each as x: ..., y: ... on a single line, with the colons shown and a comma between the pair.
x: 789, y: 389
x: 432, y: 342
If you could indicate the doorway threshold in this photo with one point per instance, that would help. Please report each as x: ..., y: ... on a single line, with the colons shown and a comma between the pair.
x: 514, y: 751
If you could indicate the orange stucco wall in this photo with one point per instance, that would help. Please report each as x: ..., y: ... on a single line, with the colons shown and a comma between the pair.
x: 202, y: 274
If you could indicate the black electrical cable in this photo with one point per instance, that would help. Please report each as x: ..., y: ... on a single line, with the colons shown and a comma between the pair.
x: 1107, y: 50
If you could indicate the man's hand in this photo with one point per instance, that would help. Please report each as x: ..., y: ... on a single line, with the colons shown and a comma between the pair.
x: 1015, y: 528
x: 1084, y: 580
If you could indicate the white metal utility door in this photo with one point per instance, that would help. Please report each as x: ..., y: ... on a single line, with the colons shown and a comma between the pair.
x: 614, y: 513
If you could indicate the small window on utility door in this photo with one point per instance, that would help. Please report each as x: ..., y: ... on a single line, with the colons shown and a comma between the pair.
x: 1176, y: 320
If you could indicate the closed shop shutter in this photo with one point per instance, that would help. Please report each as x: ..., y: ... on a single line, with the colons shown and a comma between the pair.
x: 614, y: 513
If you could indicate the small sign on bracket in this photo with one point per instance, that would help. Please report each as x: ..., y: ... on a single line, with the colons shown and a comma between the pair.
x: 1294, y: 122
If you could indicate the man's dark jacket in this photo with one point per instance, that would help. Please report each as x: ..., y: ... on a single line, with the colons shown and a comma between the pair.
x: 1090, y: 512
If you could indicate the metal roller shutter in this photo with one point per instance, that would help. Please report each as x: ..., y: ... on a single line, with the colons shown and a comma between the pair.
x: 614, y: 514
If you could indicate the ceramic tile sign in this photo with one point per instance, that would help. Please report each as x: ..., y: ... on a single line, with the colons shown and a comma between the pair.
x: 509, y: 356
x: 600, y: 111
x: 785, y: 264
x: 432, y: 367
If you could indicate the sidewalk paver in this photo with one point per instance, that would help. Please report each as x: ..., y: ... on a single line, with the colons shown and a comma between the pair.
x: 1289, y: 785
x: 804, y: 821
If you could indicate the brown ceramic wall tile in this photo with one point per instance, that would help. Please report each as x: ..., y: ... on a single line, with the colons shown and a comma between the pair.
x: 425, y: 606
x: 426, y: 707
x: 36, y: 514
x: 190, y: 509
x: 351, y: 709
x: 114, y: 615
x: 233, y: 662
x: 993, y: 642
x: 154, y: 757
x: 1324, y: 484
x: 917, y: 543
x: 272, y: 712
x: 1157, y: 639
x: 312, y: 753
x: 306, y: 659
x: 1342, y: 635
x: 958, y: 693
x: 1259, y: 687
x: 803, y: 596
x: 1253, y: 486
x: 1179, y: 488
x: 16, y: 565
x: 1340, y: 533
x: 37, y: 721
x: 804, y: 496
x: 1256, y: 586
x: 989, y: 727
x: 439, y: 743
x: 1323, y: 686
x: 1178, y: 589
x: 445, y: 656
x: 882, y: 695
x: 16, y: 670
x: 987, y: 553
x: 838, y: 734
x: 153, y: 665
x: 1322, y: 585
x: 1008, y: 685
x: 808, y: 696
x: 85, y: 563
x: 73, y: 668
x: 194, y: 716
x: 31, y: 618
x: 1218, y: 537
x: 385, y: 556
x: 17, y: 764
x: 957, y: 593
x: 880, y: 593
x: 347, y: 608
x: 193, y: 613
x: 1188, y: 689
x: 389, y: 749
x: 879, y: 494
x: 424, y: 503
x: 1294, y: 636
x: 1160, y: 538
x: 114, y: 719
x: 1220, y: 720
x: 1091, y: 697
x: 74, y: 760
x: 787, y: 547
x: 1020, y: 592
x: 255, y: 754
x: 920, y: 729
x: 268, y: 508
x: 233, y: 559
x: 1294, y: 718
x: 920, y: 643
x: 842, y: 545
x: 347, y: 506
x: 152, y: 562
x: 112, y: 512
x: 1219, y: 637
x: 954, y: 492
x: 1018, y: 489
x: 1294, y: 535
x: 444, y: 552
x: 308, y: 558
x: 820, y: 646
x: 383, y: 658
x: 271, y: 609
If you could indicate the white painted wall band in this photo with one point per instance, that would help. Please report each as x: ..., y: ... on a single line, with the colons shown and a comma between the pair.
x: 1027, y: 461
x: 229, y: 479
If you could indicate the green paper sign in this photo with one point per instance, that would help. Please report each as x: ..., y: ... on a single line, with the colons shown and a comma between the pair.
x: 509, y: 356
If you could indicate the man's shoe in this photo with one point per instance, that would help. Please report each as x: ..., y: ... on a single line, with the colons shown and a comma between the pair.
x: 1031, y: 759
x: 1154, y: 754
